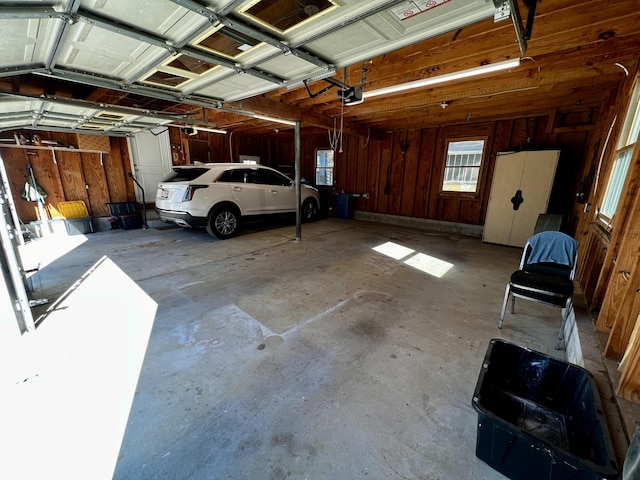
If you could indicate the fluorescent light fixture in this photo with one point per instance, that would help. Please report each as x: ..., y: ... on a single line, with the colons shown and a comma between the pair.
x: 212, y: 130
x: 271, y: 119
x: 447, y: 77
x: 193, y: 129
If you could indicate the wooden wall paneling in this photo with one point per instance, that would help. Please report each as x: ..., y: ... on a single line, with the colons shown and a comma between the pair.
x: 72, y: 176
x: 362, y: 167
x: 48, y: 175
x: 572, y: 149
x: 410, y: 180
x: 521, y: 133
x: 199, y: 151
x: 114, y: 170
x: 436, y: 175
x: 592, y: 249
x: 626, y: 301
x: 340, y: 171
x: 500, y: 141
x: 542, y: 137
x: 384, y: 186
x: 629, y: 383
x: 177, y: 148
x: 373, y: 177
x: 15, y: 162
x: 469, y: 211
x: 618, y: 289
x: 397, y: 172
x: 448, y: 209
x: 219, y: 147
x: 126, y: 170
x: 352, y: 148
x: 423, y: 174
x: 614, y: 262
x: 626, y: 313
x: 98, y: 191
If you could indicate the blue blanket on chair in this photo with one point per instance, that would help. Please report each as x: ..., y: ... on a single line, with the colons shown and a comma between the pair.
x: 552, y: 247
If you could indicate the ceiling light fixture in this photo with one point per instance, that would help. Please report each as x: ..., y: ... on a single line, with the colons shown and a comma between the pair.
x: 194, y: 129
x: 212, y: 130
x: 447, y: 77
x: 271, y: 119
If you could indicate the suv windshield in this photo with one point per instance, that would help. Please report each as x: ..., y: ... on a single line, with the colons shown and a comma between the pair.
x: 184, y: 174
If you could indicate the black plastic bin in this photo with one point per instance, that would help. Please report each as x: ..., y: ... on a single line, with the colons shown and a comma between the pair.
x: 126, y: 214
x: 540, y: 417
x: 344, y: 206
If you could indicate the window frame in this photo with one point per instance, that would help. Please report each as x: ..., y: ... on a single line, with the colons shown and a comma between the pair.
x: 331, y: 168
x: 478, y: 186
x: 628, y: 140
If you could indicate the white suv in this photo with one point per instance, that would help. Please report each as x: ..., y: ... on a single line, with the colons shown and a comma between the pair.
x: 218, y: 196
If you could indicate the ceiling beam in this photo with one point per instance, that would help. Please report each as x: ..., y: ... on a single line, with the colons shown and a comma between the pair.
x: 269, y: 107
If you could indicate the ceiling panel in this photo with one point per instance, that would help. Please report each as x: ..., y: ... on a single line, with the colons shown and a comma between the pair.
x: 390, y: 30
x: 177, y: 55
x: 160, y: 17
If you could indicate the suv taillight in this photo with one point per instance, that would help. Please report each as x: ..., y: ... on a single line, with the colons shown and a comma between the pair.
x: 190, y: 191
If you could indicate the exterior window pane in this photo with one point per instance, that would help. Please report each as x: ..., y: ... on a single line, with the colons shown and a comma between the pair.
x: 627, y: 144
x: 462, y: 167
x: 324, y: 167
x: 616, y: 182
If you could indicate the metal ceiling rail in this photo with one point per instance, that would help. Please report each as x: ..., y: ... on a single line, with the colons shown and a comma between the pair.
x: 71, y: 8
x: 81, y: 119
x: 94, y: 106
x: 24, y: 12
x: 152, y: 92
x: 21, y: 70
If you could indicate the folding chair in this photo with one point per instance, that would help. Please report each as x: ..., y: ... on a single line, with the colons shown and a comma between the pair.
x: 545, y: 275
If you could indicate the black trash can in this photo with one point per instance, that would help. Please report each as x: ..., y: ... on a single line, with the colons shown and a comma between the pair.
x: 540, y: 418
x: 127, y: 215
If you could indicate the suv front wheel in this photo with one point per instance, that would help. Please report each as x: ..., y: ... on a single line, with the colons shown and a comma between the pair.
x: 309, y: 210
x: 223, y: 222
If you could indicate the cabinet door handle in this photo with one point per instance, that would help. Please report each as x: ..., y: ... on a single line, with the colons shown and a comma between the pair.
x: 517, y: 199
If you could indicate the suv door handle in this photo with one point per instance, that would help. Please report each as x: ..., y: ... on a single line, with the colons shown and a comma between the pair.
x: 237, y: 189
x: 274, y: 191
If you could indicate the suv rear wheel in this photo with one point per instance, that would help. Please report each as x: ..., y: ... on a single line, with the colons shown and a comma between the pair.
x: 223, y: 222
x: 309, y: 210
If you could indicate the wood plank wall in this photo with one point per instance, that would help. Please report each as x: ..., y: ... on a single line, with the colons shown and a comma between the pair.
x: 408, y: 183
x: 70, y: 174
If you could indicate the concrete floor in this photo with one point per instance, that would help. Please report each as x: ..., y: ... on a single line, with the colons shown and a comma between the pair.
x: 270, y: 358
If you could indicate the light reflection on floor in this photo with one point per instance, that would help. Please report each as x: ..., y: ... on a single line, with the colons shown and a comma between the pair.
x: 426, y: 263
x: 71, y: 383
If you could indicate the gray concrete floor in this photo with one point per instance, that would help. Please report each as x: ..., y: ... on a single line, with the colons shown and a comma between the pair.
x: 271, y: 358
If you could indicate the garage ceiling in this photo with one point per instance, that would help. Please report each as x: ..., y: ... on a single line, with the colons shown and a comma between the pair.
x: 119, y: 66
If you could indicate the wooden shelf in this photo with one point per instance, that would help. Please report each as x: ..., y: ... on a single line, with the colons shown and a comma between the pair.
x: 52, y: 147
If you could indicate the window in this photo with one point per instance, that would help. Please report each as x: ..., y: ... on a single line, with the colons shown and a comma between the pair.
x: 462, y: 166
x: 324, y: 167
x: 622, y: 155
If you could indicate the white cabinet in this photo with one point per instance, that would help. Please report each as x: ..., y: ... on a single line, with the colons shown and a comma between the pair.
x: 520, y: 192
